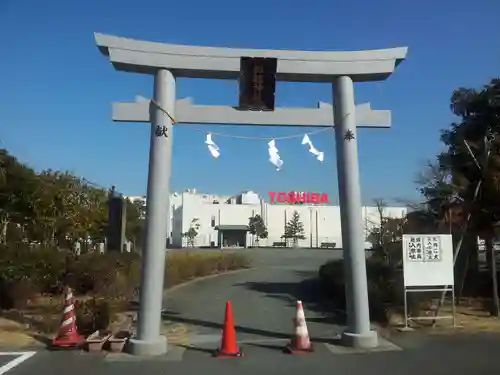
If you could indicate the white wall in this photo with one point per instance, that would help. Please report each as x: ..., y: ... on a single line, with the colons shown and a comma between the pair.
x: 321, y: 223
x: 176, y: 201
x: 194, y: 206
x: 249, y: 197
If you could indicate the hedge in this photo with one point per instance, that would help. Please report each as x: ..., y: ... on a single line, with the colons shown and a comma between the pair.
x: 102, y: 283
x: 385, y: 288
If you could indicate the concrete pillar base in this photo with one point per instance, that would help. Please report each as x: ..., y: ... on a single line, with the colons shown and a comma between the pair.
x: 148, y: 348
x: 366, y: 340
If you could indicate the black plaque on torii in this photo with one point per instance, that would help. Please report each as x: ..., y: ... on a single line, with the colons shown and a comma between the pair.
x: 257, y: 83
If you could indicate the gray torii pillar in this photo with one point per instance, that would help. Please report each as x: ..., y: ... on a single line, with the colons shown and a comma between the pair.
x: 358, y: 332
x: 148, y: 340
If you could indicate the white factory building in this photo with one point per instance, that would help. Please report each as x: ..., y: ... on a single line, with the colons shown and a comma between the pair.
x: 223, y: 220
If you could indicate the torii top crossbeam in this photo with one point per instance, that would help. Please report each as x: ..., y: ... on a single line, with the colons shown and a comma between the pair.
x: 212, y: 62
x: 132, y: 55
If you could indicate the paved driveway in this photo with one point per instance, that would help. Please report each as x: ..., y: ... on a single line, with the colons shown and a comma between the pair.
x: 264, y: 298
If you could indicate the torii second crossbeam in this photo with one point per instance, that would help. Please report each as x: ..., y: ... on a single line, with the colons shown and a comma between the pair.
x: 186, y: 112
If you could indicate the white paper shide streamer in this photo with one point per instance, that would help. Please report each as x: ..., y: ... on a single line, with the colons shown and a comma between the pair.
x: 274, y: 156
x: 212, y: 147
x: 319, y: 154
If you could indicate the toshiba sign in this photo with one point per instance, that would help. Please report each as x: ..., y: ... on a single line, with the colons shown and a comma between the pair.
x: 297, y: 198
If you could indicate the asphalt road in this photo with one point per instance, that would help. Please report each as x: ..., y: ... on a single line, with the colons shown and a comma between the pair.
x: 263, y: 301
x: 264, y: 298
x: 4, y: 359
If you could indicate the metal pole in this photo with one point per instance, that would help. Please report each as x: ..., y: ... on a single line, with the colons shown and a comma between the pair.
x: 317, y: 230
x: 453, y: 308
x: 358, y: 333
x: 406, y: 308
x: 310, y: 228
x: 148, y: 340
x: 123, y: 223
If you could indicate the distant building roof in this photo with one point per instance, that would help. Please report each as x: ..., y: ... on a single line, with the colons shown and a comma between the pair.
x: 231, y: 227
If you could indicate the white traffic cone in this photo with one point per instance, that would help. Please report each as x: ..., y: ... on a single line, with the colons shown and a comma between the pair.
x: 300, y: 343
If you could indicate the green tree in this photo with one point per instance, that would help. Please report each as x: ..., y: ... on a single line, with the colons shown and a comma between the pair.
x: 441, y: 194
x: 473, y: 157
x: 386, y: 240
x: 17, y: 186
x: 192, y: 232
x: 93, y: 213
x: 257, y: 227
x: 294, y: 229
x: 51, y: 207
x: 59, y: 202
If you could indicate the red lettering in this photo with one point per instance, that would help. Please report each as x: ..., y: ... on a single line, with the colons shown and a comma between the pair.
x: 315, y: 198
x: 272, y: 196
x: 281, y: 197
x: 301, y: 198
x: 298, y: 198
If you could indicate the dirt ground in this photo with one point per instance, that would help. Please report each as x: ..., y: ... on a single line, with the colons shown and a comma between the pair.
x: 17, y: 335
x: 13, y: 334
x: 470, y: 316
x: 35, y: 325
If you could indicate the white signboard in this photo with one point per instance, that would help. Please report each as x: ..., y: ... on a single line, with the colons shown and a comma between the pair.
x: 428, y: 260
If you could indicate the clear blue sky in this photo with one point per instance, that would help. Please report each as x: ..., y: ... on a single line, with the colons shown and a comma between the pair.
x: 56, y: 89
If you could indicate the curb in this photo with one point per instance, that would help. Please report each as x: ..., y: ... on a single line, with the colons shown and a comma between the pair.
x: 203, y: 278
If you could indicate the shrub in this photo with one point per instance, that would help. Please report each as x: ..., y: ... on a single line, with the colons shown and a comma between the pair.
x: 384, y: 286
x: 114, y: 275
x: 16, y: 294
x: 184, y: 266
x: 103, y: 281
x: 26, y: 272
x: 94, y: 314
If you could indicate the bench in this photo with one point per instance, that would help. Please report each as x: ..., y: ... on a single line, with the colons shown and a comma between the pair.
x: 328, y: 245
x: 279, y: 244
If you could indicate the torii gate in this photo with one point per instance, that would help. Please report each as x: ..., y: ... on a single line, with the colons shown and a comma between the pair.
x: 167, y: 61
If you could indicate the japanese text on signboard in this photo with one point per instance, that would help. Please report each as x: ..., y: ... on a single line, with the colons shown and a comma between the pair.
x: 424, y: 249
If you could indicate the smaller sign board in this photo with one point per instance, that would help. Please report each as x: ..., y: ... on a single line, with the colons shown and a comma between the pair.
x: 428, y: 260
x: 481, y: 254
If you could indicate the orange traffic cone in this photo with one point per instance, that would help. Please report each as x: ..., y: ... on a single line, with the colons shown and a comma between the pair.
x: 228, y: 346
x: 300, y: 343
x: 67, y: 336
